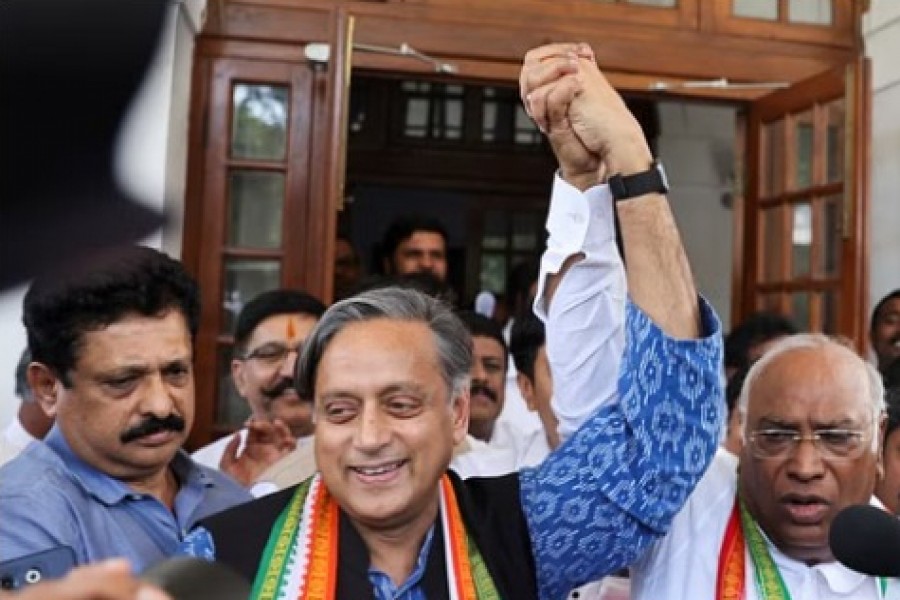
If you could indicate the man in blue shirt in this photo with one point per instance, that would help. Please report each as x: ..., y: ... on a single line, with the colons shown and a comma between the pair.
x: 388, y: 372
x: 112, y: 350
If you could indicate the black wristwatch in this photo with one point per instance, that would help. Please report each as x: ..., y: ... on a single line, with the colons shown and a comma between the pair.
x: 651, y: 181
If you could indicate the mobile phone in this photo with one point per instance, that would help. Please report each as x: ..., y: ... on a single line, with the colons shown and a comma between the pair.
x: 32, y: 568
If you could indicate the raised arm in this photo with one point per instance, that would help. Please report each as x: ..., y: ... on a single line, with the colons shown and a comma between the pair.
x: 574, y: 104
x: 581, y: 289
x: 615, y: 486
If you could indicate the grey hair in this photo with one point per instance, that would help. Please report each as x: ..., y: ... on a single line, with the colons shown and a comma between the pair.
x: 23, y: 389
x: 452, y: 339
x: 874, y: 387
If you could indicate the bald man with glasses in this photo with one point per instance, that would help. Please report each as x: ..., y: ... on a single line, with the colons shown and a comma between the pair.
x: 812, y: 413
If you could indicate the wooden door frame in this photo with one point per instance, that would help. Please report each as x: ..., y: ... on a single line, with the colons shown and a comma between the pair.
x: 854, y: 274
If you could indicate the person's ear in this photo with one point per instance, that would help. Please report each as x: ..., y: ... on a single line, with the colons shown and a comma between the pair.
x: 459, y: 410
x: 239, y: 376
x: 45, y: 386
x: 526, y: 387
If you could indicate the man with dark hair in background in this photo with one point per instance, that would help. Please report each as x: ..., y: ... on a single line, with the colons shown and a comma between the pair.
x: 884, y: 331
x: 750, y: 339
x: 528, y: 346
x: 413, y: 244
x: 487, y: 388
x: 31, y: 422
x: 520, y: 291
x: 268, y: 337
x: 112, y: 359
x: 744, y: 345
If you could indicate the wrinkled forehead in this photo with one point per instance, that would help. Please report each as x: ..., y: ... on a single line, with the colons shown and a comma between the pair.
x: 820, y: 385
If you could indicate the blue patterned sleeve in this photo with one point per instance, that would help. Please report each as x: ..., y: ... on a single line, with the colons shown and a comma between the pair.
x: 600, y: 499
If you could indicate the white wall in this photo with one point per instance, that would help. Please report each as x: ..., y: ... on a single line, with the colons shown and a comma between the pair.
x: 882, y: 35
x: 695, y: 145
x: 152, y: 159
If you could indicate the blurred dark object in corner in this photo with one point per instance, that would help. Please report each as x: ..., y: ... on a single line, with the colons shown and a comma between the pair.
x: 186, y: 578
x: 68, y: 73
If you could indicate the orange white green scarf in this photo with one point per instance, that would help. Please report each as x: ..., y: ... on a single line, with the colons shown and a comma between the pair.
x: 301, y: 557
x: 742, y: 532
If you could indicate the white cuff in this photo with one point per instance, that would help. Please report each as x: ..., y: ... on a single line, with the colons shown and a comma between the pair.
x: 576, y: 222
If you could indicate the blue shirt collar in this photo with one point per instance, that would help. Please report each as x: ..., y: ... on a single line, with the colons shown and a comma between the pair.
x: 109, y: 490
x: 383, y: 586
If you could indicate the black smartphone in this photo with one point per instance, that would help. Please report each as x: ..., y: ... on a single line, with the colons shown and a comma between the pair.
x: 32, y: 568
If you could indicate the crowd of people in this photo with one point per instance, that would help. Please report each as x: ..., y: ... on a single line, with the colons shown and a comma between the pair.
x: 382, y: 458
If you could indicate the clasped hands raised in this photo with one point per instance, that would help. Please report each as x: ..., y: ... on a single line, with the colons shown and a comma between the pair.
x: 591, y: 130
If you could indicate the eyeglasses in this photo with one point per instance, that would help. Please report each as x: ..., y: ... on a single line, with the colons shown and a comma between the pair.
x: 839, y: 444
x: 271, y: 354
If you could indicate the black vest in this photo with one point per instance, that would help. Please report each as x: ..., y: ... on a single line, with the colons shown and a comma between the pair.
x: 490, y: 507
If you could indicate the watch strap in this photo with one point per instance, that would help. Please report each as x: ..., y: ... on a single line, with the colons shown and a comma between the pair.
x: 651, y: 181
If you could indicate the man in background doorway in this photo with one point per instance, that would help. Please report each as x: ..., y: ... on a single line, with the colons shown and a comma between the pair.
x: 746, y: 342
x: 347, y: 268
x: 415, y: 244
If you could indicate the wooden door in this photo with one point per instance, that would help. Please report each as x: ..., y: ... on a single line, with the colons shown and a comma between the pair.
x: 271, y: 182
x: 806, y: 203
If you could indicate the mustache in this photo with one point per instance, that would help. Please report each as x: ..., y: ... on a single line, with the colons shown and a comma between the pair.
x: 279, y: 388
x: 480, y: 388
x: 152, y: 425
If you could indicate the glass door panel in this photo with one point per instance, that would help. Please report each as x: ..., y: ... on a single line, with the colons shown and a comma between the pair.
x: 830, y: 266
x: 801, y: 239
x: 813, y: 12
x: 660, y: 3
x: 800, y: 310
x: 804, y: 138
x: 525, y: 231
x: 773, y: 173
x: 256, y: 201
x: 756, y: 9
x: 493, y: 272
x: 773, y: 242
x: 244, y: 280
x: 834, y: 141
x: 259, y: 121
x: 770, y: 303
x: 494, y: 234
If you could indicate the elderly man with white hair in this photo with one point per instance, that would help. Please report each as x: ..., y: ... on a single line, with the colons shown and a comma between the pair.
x: 812, y: 414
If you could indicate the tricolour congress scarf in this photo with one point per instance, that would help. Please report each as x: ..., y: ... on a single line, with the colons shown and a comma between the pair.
x: 740, y: 533
x: 301, y: 556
